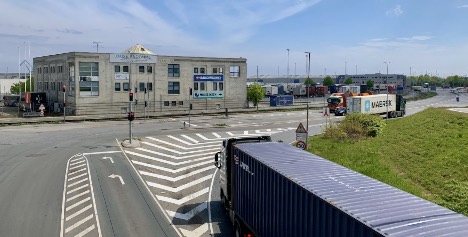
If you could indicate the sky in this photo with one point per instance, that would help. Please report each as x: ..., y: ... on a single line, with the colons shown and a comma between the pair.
x: 342, y: 36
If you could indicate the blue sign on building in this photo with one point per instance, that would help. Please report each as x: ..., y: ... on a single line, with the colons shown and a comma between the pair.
x: 208, y: 78
x: 208, y: 94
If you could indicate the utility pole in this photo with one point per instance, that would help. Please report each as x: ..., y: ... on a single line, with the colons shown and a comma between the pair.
x: 97, y: 45
x: 386, y: 82
x: 307, y: 88
x: 287, y: 80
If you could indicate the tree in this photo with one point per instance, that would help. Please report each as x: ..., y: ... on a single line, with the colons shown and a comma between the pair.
x: 328, y: 81
x: 309, y: 82
x: 348, y: 81
x: 255, y: 93
x: 16, y: 88
x: 370, y: 84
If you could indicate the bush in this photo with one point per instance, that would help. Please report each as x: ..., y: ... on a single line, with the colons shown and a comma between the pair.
x: 355, y: 127
x: 371, y: 123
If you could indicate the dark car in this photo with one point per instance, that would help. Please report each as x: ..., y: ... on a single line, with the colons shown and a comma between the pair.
x: 340, y: 111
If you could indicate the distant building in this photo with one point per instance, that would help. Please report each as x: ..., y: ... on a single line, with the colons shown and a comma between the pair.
x: 377, y: 78
x: 292, y: 79
x: 99, y: 83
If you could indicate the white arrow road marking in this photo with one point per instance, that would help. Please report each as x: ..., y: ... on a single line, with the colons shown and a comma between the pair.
x: 180, y: 177
x: 174, y: 157
x: 188, y: 143
x: 187, y: 216
x: 184, y: 199
x: 117, y: 176
x: 167, y: 161
x: 171, y: 170
x: 110, y: 158
x: 180, y: 147
x: 180, y: 188
x: 197, y: 232
x: 179, y: 152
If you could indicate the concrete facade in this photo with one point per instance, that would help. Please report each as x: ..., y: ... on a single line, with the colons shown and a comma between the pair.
x: 95, y: 85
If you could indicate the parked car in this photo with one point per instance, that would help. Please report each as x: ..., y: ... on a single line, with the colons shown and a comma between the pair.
x: 340, y: 111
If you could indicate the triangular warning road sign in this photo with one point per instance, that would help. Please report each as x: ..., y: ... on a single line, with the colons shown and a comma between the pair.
x: 301, y: 129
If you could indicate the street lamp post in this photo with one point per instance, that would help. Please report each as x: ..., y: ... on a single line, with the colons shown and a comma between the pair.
x: 386, y: 83
x: 307, y: 88
x: 287, y: 80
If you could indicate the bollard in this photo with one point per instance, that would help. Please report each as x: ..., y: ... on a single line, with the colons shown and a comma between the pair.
x: 226, y: 111
x: 184, y: 124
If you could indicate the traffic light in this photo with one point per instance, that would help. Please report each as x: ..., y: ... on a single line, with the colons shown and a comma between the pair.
x: 64, y: 89
x: 146, y: 90
x: 190, y: 90
x: 130, y: 96
x: 191, y: 107
x: 131, y: 116
x: 146, y: 103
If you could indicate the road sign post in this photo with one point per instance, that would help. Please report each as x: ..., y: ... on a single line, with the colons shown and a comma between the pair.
x: 301, y: 137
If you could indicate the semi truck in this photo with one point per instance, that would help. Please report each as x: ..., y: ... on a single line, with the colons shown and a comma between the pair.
x: 380, y: 104
x: 336, y: 100
x: 273, y: 189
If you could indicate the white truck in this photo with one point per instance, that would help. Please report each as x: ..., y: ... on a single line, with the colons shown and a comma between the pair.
x: 271, y: 90
x: 377, y: 104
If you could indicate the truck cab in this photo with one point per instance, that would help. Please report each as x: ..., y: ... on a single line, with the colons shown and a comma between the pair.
x: 336, y: 100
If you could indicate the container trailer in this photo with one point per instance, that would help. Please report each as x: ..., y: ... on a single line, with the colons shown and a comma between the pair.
x: 377, y: 104
x: 273, y: 189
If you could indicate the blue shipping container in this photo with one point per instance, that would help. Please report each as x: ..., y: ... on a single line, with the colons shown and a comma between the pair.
x: 280, y: 190
x: 281, y: 100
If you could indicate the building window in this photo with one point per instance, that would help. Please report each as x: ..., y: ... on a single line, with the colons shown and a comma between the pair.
x: 173, y: 88
x: 141, y: 69
x: 202, y: 70
x: 202, y: 86
x: 117, y: 86
x: 149, y: 69
x: 181, y: 103
x: 117, y: 68
x: 234, y: 71
x: 173, y: 103
x: 71, y: 79
x: 125, y: 86
x: 89, y: 79
x: 125, y: 69
x: 217, y: 70
x: 150, y: 86
x: 221, y: 86
x: 195, y: 86
x: 215, y: 86
x: 195, y: 70
x: 166, y: 103
x: 173, y: 70
x: 142, y: 86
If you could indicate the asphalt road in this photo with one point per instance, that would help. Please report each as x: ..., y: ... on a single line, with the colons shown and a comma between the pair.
x: 70, y: 179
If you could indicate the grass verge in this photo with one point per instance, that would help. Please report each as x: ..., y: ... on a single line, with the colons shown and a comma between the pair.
x: 425, y: 154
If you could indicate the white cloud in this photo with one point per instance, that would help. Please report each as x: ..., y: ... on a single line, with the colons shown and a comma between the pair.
x: 463, y: 6
x: 417, y: 38
x: 396, y: 11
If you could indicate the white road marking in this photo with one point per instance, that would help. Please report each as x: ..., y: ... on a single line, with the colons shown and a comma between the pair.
x: 216, y: 135
x: 108, y: 158
x: 77, y: 182
x: 75, y: 163
x: 78, y: 223
x: 78, y: 212
x: 76, y: 171
x: 167, y: 161
x: 171, y: 170
x: 180, y: 177
x: 113, y: 176
x: 189, y: 138
x: 187, y: 216
x: 84, y: 232
x: 173, y: 157
x: 78, y: 195
x: 180, y: 147
x: 184, y: 199
x: 197, y: 232
x: 180, y: 188
x: 179, y: 152
x: 77, y: 166
x: 230, y: 134
x: 76, y: 189
x: 78, y: 203
x: 101, y: 152
x: 79, y: 176
x: 209, y: 201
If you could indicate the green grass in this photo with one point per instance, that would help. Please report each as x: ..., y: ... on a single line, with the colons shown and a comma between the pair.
x: 425, y: 154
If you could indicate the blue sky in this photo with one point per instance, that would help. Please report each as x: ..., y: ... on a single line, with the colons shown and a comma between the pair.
x: 424, y: 35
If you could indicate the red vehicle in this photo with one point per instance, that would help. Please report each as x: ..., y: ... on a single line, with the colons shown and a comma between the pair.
x: 336, y: 100
x: 321, y: 90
